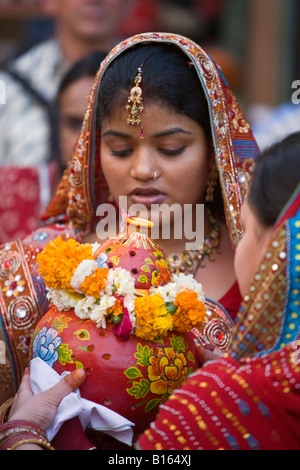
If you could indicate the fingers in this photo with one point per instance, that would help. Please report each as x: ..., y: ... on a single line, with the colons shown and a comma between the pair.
x: 75, y: 379
x: 207, y: 353
x: 24, y: 392
x: 41, y: 408
x: 67, y: 385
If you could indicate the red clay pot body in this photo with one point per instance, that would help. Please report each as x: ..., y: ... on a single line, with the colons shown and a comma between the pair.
x: 131, y: 377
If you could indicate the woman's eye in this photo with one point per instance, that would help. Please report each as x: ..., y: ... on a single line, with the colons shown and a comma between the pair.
x: 172, y: 152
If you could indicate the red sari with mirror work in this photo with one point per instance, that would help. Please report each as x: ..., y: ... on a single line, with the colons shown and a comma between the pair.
x: 72, y: 211
x: 250, y: 399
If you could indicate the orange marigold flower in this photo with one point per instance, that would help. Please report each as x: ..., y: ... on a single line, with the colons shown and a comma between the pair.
x: 117, y: 309
x: 95, y: 283
x: 190, y: 311
x: 152, y: 317
x: 59, y: 260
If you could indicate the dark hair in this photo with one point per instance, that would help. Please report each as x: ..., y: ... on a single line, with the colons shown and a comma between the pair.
x: 275, y: 178
x: 168, y: 79
x: 88, y: 66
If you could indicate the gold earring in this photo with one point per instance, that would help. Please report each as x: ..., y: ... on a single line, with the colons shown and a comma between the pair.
x: 111, y: 198
x: 211, y: 184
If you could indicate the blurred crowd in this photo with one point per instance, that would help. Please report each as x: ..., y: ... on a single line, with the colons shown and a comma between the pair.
x: 47, y: 84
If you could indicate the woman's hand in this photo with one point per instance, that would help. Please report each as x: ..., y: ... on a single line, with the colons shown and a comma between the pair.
x: 207, y: 353
x: 41, y: 409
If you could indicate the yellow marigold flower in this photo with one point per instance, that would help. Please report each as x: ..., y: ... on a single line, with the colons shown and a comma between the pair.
x: 59, y: 260
x: 190, y: 311
x: 93, y: 284
x: 152, y: 317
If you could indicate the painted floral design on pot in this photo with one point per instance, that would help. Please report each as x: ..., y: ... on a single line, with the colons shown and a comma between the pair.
x: 168, y: 369
x: 46, y: 344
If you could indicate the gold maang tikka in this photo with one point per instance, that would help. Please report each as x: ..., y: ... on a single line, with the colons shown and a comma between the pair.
x: 135, y: 102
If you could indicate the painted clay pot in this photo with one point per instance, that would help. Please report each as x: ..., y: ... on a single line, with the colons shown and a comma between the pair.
x: 136, y: 252
x: 131, y: 377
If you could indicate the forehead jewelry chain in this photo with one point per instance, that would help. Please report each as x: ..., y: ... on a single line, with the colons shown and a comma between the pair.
x: 134, y: 104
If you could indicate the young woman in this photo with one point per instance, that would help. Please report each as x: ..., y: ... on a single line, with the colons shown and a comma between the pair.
x: 253, y: 391
x: 249, y: 398
x: 189, y: 146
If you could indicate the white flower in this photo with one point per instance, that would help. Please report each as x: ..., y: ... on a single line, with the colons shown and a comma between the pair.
x: 84, y: 307
x: 62, y: 299
x: 167, y: 292
x: 99, y: 312
x: 130, y: 305
x: 83, y: 270
x: 120, y: 281
x: 180, y: 282
x: 188, y: 282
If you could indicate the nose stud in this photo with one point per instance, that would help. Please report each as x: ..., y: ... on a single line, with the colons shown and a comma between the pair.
x: 154, y: 175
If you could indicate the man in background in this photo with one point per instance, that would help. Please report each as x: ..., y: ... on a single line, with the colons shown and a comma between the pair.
x: 29, y: 130
x: 27, y: 124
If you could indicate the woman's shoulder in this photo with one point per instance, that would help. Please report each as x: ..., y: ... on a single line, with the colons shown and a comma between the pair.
x: 23, y: 294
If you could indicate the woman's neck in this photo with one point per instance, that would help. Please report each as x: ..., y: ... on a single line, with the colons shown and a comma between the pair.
x: 192, y: 234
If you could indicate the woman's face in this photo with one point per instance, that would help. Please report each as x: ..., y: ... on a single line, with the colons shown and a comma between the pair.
x: 72, y: 106
x: 251, y: 248
x: 174, y: 149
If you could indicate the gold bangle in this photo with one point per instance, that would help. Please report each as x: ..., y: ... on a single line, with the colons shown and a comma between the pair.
x: 5, y: 407
x: 41, y: 442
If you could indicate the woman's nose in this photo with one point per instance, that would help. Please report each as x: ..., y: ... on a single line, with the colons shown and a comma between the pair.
x: 143, y: 166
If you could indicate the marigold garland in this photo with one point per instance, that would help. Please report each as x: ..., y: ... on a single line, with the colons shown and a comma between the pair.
x: 59, y: 260
x: 76, y: 281
x: 152, y: 317
x: 117, y: 309
x: 190, y: 311
x: 95, y: 283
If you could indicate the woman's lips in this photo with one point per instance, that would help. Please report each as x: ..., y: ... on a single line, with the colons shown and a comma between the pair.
x: 146, y: 196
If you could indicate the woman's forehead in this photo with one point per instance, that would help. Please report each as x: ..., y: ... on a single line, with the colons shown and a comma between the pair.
x: 162, y: 120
